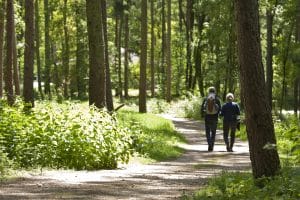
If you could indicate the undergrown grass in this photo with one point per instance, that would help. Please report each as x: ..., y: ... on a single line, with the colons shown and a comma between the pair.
x: 241, y: 186
x: 154, y: 137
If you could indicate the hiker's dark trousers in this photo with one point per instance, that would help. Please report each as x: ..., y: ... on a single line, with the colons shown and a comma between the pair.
x: 229, y: 126
x: 210, y: 130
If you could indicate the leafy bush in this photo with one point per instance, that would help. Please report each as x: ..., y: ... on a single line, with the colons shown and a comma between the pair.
x: 242, y: 134
x: 289, y: 139
x: 157, y: 106
x: 64, y: 136
x: 240, y: 186
x: 4, y: 164
x: 192, y: 107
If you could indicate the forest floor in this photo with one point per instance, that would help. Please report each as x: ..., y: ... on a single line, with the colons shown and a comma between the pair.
x: 163, y: 180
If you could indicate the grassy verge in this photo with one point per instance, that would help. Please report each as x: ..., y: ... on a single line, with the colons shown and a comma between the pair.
x: 241, y: 186
x: 154, y: 137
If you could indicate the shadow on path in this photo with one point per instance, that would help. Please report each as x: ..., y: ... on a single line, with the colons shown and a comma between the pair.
x: 163, y: 180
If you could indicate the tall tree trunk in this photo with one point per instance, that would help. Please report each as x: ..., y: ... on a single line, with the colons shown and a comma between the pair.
x: 198, y: 57
x: 47, y: 73
x: 126, y: 53
x: 109, y: 98
x: 284, y: 64
x: 2, y: 16
x: 152, y: 49
x: 57, y: 80
x: 16, y: 76
x: 143, y: 60
x: 96, y: 54
x: 269, y: 81
x: 37, y: 47
x: 189, y: 33
x: 78, y: 77
x: 66, y: 51
x: 29, y: 53
x: 120, y: 56
x: 297, y: 79
x: 116, y: 52
x: 8, y: 73
x: 260, y: 129
x: 231, y: 69
x: 181, y: 15
x: 181, y: 55
x: 168, y: 53
x: 296, y: 95
x: 163, y: 48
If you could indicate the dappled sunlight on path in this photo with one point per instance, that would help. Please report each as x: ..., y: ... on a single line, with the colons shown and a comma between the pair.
x: 163, y: 180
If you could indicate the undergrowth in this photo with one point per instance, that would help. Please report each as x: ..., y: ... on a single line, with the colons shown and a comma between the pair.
x: 63, y: 136
x: 72, y: 135
x: 241, y: 186
x: 153, y: 136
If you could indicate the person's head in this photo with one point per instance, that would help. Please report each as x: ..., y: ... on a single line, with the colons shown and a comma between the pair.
x: 211, y: 90
x: 229, y: 97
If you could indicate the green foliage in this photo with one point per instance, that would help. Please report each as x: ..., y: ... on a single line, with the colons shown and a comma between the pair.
x: 192, y: 107
x: 289, y: 139
x: 242, y: 134
x: 241, y: 186
x: 153, y: 136
x: 157, y: 106
x: 5, y: 164
x: 72, y: 135
x: 63, y: 136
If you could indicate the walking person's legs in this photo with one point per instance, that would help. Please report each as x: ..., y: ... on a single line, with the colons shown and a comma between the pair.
x: 232, y: 134
x: 209, y: 133
x: 225, y: 134
x: 214, y: 125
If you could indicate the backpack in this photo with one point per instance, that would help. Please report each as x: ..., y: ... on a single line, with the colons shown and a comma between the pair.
x: 210, y: 106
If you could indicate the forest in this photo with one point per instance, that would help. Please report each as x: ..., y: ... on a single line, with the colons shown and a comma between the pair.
x: 81, y: 80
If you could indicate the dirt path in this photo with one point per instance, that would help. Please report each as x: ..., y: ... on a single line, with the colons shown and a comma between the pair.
x: 164, y: 180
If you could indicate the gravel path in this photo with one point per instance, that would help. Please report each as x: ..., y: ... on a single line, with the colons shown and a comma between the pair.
x: 163, y: 180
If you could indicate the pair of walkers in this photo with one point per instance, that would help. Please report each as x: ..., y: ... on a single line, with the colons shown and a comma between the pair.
x: 211, y: 109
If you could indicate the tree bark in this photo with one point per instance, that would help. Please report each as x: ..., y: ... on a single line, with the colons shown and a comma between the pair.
x: 37, y: 48
x: 152, y: 50
x: 181, y: 53
x: 109, y: 98
x: 16, y: 74
x: 8, y: 73
x: 260, y: 129
x: 296, y: 95
x: 66, y: 51
x: 163, y: 49
x: 168, y: 53
x: 96, y: 54
x: 2, y: 17
x: 47, y: 73
x: 198, y: 56
x: 126, y: 53
x: 120, y: 82
x: 143, y: 59
x: 269, y: 81
x: 284, y: 65
x: 80, y: 72
x: 29, y: 53
x: 118, y: 9
x: 189, y: 40
x: 297, y: 79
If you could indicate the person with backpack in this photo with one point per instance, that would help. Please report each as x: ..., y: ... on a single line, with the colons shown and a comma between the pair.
x: 210, y: 108
x: 230, y: 112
